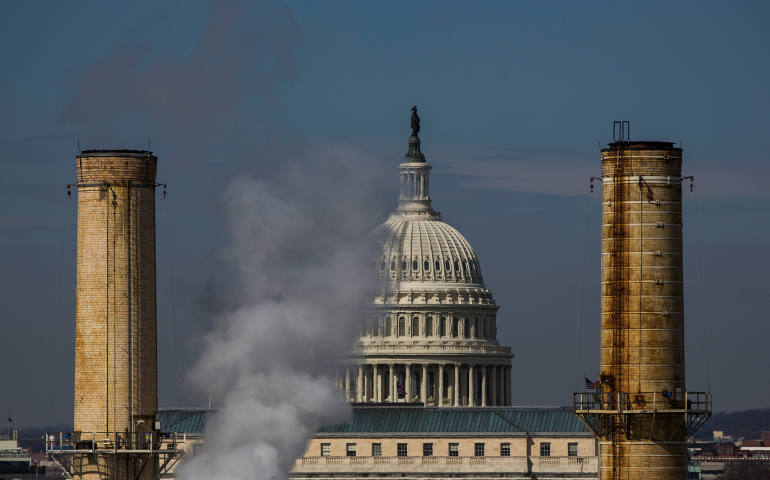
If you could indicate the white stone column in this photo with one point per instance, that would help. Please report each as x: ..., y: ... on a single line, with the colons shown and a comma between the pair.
x: 347, y: 384
x: 471, y: 400
x: 424, y: 385
x: 391, y: 384
x: 408, y: 381
x: 367, y: 385
x: 457, y: 385
x: 492, y: 385
x: 483, y: 385
x: 375, y: 383
x: 359, y: 381
x: 440, y: 393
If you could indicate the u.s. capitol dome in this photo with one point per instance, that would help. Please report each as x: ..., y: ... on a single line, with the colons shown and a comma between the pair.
x: 433, y: 336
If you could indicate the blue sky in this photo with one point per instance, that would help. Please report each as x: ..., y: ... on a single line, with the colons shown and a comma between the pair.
x: 515, y: 99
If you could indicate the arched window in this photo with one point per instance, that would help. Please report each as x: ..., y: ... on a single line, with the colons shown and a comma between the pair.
x: 429, y: 327
x: 457, y: 268
x: 392, y: 265
x: 415, y: 264
x: 401, y: 327
x: 467, y: 327
x: 475, y: 328
x: 426, y: 265
x: 465, y: 266
x: 386, y: 333
x: 446, y: 265
x: 403, y: 265
x: 437, y: 265
x: 455, y: 327
x: 415, y: 326
x: 442, y: 327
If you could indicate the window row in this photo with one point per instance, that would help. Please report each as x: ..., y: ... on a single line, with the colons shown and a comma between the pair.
x: 453, y: 449
x: 442, y: 327
x: 449, y: 266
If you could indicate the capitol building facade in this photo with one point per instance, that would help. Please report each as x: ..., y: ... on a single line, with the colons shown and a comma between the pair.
x: 433, y: 338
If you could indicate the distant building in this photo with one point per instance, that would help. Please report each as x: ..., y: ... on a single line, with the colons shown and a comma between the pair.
x: 15, y: 462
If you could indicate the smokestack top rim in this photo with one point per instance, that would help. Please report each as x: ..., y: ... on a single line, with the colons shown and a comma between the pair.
x: 117, y: 153
x: 642, y: 145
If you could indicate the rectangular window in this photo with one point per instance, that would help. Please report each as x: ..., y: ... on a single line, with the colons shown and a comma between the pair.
x: 478, y: 449
x: 350, y: 449
x: 545, y: 449
x: 572, y: 449
x: 429, y: 327
x: 442, y: 327
x: 415, y: 327
x: 505, y: 449
x: 401, y: 450
x: 454, y: 449
x: 326, y: 449
x: 401, y: 327
x: 427, y: 449
x: 376, y: 449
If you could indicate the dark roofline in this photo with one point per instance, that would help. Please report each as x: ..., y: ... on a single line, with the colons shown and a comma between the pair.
x: 642, y: 145
x: 117, y: 153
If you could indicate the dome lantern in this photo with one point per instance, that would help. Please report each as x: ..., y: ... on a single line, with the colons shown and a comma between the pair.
x: 415, y: 174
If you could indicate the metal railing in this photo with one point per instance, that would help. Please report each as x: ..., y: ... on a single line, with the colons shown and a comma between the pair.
x: 597, y: 409
x: 109, y: 442
x: 643, y: 402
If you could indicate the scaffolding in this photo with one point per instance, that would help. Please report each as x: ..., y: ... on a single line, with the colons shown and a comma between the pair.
x: 106, y: 450
x: 601, y: 411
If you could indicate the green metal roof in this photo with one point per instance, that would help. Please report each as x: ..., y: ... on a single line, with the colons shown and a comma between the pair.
x: 416, y: 420
x: 182, y: 420
x: 459, y: 420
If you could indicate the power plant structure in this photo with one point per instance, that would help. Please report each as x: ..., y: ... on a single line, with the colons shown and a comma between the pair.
x: 116, y: 397
x: 641, y: 410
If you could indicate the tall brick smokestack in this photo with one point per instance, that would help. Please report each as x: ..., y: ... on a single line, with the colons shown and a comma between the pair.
x: 115, y: 339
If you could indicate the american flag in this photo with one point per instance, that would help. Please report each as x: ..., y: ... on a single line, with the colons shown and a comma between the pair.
x: 591, y: 385
x: 401, y: 390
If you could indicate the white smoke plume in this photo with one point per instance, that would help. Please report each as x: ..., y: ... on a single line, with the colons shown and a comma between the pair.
x: 301, y: 290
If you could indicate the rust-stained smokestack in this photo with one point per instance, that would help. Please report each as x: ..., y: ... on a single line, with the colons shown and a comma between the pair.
x: 642, y: 413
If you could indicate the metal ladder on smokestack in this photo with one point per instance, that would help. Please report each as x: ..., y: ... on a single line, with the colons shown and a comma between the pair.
x: 621, y: 135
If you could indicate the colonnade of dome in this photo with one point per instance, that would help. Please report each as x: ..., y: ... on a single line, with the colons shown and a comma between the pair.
x: 420, y: 380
